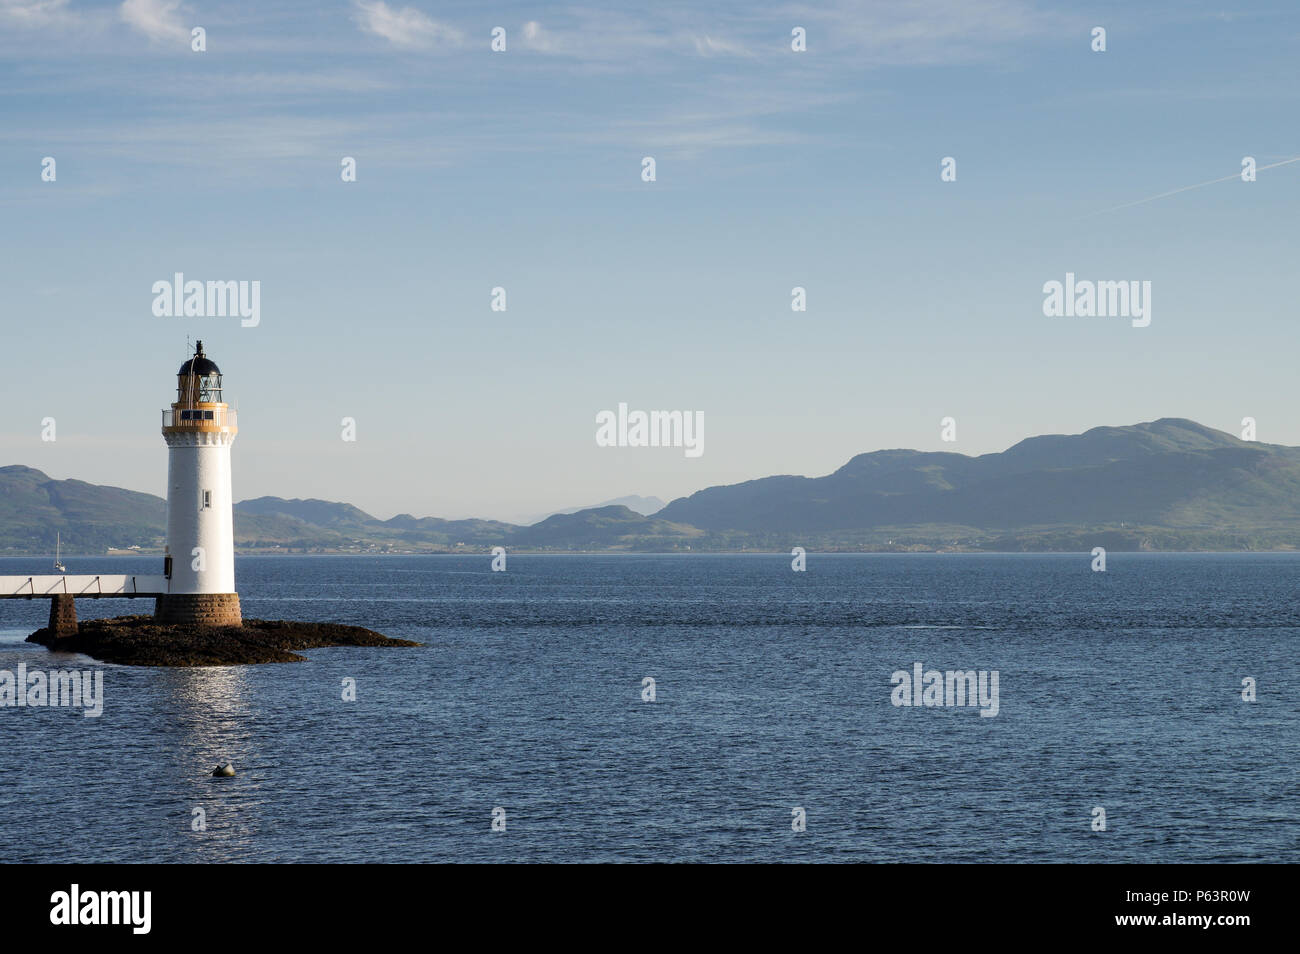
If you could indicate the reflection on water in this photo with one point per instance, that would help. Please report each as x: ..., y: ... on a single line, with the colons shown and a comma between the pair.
x: 207, y: 712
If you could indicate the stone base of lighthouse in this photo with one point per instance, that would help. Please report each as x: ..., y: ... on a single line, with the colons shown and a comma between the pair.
x: 199, y: 609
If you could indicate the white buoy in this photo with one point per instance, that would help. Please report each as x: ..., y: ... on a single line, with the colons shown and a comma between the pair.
x: 224, y: 770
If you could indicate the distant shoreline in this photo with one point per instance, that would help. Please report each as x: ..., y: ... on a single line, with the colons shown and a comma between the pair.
x: 487, y: 552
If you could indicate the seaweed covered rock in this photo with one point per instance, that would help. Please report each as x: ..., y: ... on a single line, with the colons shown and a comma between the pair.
x: 143, y: 641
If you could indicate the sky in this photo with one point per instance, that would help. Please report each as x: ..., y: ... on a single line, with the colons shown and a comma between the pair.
x: 522, y: 169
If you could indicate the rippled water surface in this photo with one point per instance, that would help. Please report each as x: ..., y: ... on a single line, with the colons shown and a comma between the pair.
x: 1119, y: 689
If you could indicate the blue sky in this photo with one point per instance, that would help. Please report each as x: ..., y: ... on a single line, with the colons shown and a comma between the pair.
x: 521, y: 169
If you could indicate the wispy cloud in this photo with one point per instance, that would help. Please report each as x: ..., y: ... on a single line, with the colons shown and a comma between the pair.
x: 688, y: 134
x: 729, y: 80
x: 711, y: 46
x: 544, y: 41
x: 874, y: 32
x: 408, y: 27
x: 603, y: 36
x: 37, y: 13
x: 921, y: 32
x: 220, y: 149
x: 156, y: 19
x: 291, y: 83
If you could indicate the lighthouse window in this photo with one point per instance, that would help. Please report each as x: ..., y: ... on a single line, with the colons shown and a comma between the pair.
x: 210, y: 388
x: 207, y: 500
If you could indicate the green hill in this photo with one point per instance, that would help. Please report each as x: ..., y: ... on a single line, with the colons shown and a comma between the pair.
x: 1171, y: 474
x: 1165, y: 485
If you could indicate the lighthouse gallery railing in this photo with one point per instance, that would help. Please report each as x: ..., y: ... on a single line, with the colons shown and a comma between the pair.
x: 199, y: 417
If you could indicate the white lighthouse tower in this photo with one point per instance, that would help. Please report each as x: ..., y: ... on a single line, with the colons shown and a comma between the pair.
x: 200, y: 563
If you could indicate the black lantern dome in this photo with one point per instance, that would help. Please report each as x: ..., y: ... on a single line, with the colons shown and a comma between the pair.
x: 199, y: 364
x: 199, y: 380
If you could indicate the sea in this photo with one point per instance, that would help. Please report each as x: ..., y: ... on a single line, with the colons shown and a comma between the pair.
x: 689, y: 708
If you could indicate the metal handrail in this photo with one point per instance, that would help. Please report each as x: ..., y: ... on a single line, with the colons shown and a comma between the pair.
x: 88, y: 586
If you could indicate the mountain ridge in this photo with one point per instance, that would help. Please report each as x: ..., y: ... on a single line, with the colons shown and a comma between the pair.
x: 1166, y: 484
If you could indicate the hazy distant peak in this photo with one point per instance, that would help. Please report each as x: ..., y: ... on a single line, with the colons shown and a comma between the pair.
x: 645, y: 506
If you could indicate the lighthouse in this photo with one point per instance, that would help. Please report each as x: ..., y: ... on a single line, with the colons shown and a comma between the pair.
x: 200, y: 557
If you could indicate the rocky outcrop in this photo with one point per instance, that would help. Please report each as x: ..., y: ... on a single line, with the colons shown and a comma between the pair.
x: 143, y: 641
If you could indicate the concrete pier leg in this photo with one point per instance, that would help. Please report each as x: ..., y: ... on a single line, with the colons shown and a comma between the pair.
x: 63, y: 615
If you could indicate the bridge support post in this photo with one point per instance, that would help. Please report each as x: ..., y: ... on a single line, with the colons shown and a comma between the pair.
x: 63, y: 615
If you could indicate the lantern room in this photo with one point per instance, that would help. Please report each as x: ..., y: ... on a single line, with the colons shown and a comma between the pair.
x: 198, y: 381
x: 200, y: 403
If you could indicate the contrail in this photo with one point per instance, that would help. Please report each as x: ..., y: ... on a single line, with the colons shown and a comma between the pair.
x: 1199, y: 185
